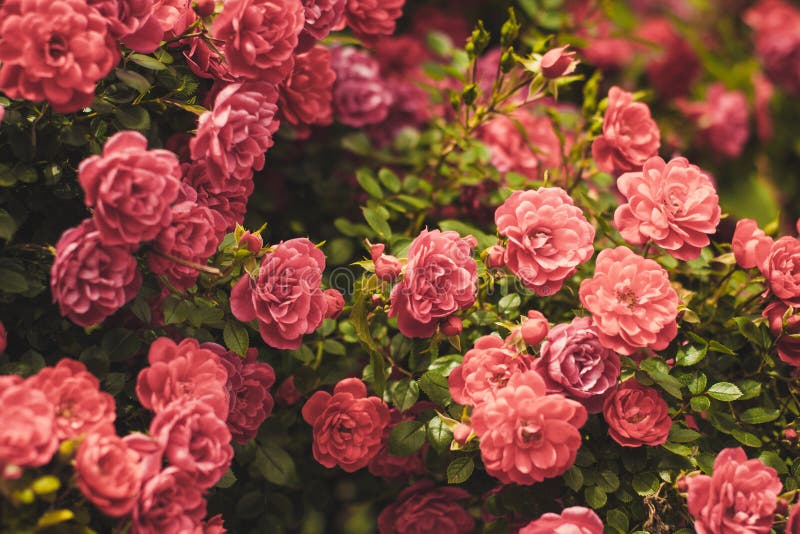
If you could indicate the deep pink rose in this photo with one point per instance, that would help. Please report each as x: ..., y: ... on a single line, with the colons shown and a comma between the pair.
x: 523, y: 143
x: 486, y: 368
x: 170, y: 503
x: 573, y: 362
x: 631, y: 301
x: 777, y: 38
x: 214, y: 525
x: 637, y: 415
x: 175, y: 16
x: 81, y: 408
x: 783, y: 270
x: 360, y: 95
x: 428, y: 18
x: 260, y: 36
x: 287, y: 394
x: 387, y: 267
x: 233, y: 137
x: 150, y: 451
x: 440, y: 279
x: 371, y: 18
x: 390, y: 467
x: 252, y: 242
x: 425, y: 508
x: 130, y: 188
x: 89, y: 279
x: 194, y: 439
x: 27, y: 427
x: 334, y: 301
x: 558, y: 62
x: 525, y: 434
x: 788, y: 347
x: 321, y: 17
x: 185, y: 370
x: 306, y: 96
x: 751, y: 245
x: 673, y: 66
x: 673, y: 204
x: 630, y: 135
x: 722, y: 120
x: 793, y: 522
x: 132, y: 21
x: 348, y: 426
x: 55, y: 51
x: 228, y: 198
x: 3, y: 338
x: 109, y: 473
x: 740, y: 498
x: 572, y: 520
x: 548, y: 237
x: 285, y: 296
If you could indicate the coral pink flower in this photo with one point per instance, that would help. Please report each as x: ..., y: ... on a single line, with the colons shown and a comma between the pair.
x: 371, y: 18
x: 572, y: 520
x: 637, y: 415
x: 387, y: 267
x: 150, y: 451
x: 548, y: 237
x: 285, y: 296
x: 54, y: 51
x: 424, y: 508
x: 130, y: 188
x: 486, y: 368
x: 783, y: 270
x: 27, y: 427
x: 169, y: 503
x: 348, y: 426
x: 81, y: 408
x: 631, y: 301
x: 534, y: 328
x: 741, y: 496
x: 321, y: 17
x: 674, y: 66
x: 132, y: 22
x: 722, y: 120
x: 777, y: 39
x: 228, y: 198
x: 185, y: 370
x: 108, y: 473
x: 360, y: 96
x: 195, y: 440
x: 630, y: 135
x: 573, y: 362
x: 440, y: 279
x: 306, y: 97
x: 675, y: 204
x: 751, y: 245
x: 260, y: 36
x: 89, y: 279
x: 526, y: 435
x: 390, y: 467
x: 788, y: 347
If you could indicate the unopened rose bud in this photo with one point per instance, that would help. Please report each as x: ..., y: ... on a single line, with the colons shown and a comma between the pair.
x: 452, y: 326
x: 495, y: 257
x: 535, y: 328
x: 461, y: 433
x: 205, y: 8
x: 251, y: 242
x: 387, y: 267
x: 557, y: 62
x: 682, y: 484
x: 790, y: 434
x: 335, y: 302
x: 376, y: 300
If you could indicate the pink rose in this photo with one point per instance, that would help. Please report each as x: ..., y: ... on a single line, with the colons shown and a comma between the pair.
x: 195, y: 440
x: 130, y: 188
x: 548, y: 237
x: 534, y: 328
x: 486, y: 368
x: 495, y: 257
x: 425, y: 508
x: 360, y: 96
x: 637, y: 415
x: 91, y: 280
x: 214, y: 525
x: 252, y: 242
x: 452, y: 326
x: 630, y: 135
x: 673, y: 204
x: 722, y: 120
x: 751, y: 245
x: 132, y: 22
x: 793, y: 521
x: 526, y: 435
x: 631, y: 301
x: 174, y: 16
x: 440, y: 279
x: 387, y: 267
x: 783, y: 270
x: 228, y: 197
x: 740, y: 497
x: 348, y: 426
x: 777, y: 41
x: 558, y: 62
x: 149, y: 451
x: 674, y: 66
x: 3, y: 338
x: 285, y: 296
x: 573, y: 362
x: 334, y: 301
x: 260, y: 36
x: 287, y: 394
x: 306, y: 96
x: 523, y: 143
x: 390, y: 467
x: 28, y: 427
x: 108, y: 473
x: 371, y: 18
x: 573, y: 520
x: 169, y: 503
x: 55, y: 51
x: 185, y: 370
x: 81, y: 408
x: 788, y: 347
x: 321, y: 17
x: 206, y: 62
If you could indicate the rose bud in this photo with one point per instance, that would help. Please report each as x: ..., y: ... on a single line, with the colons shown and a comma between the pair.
x: 452, y: 326
x: 387, y: 267
x: 790, y: 434
x: 335, y: 302
x: 461, y: 433
x: 288, y: 393
x: 251, y: 242
x: 494, y: 258
x: 205, y: 8
x: 534, y: 328
x: 557, y: 62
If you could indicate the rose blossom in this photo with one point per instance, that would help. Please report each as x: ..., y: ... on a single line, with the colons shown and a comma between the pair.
x: 285, y: 296
x: 486, y: 368
x: 387, y: 267
x: 674, y: 204
x: 306, y: 96
x: 793, y: 521
x: 348, y: 426
x: 184, y: 370
x: 548, y: 237
x: 28, y: 430
x: 776, y: 25
x: 573, y: 362
x: 334, y: 301
x: 228, y: 198
x: 637, y: 415
x: 525, y: 434
x: 89, y: 279
x: 174, y: 16
x: 425, y: 508
x: 108, y: 473
x: 194, y: 439
x: 674, y: 65
x: 169, y: 503
x: 54, y: 51
x: 534, y: 328
x: 751, y: 245
x: 388, y: 466
x: 371, y: 18
x: 631, y: 301
x: 149, y: 450
x: 321, y: 17
x: 630, y: 135
x: 260, y: 36
x: 360, y: 96
x: 788, y: 347
x: 741, y: 496
x: 132, y: 22
x: 572, y: 520
x: 722, y: 120
x: 557, y: 62
x: 440, y: 279
x: 783, y: 270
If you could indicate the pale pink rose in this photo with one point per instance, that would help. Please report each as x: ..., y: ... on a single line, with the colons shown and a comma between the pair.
x: 387, y: 267
x: 132, y: 21
x: 440, y: 279
x: 524, y: 143
x: 673, y: 66
x: 27, y: 427
x: 321, y: 17
x: 525, y: 434
x: 424, y: 508
x: 486, y: 368
x: 108, y: 473
x: 740, y: 498
x: 751, y: 245
x: 572, y: 520
x: 169, y: 503
x: 788, y: 347
x: 548, y: 237
x: 306, y: 96
x: 630, y: 135
x: 360, y: 95
x: 372, y: 18
x: 783, y: 270
x: 673, y: 204
x: 558, y: 62
x: 637, y: 415
x: 722, y: 120
x: 777, y: 39
x: 631, y: 301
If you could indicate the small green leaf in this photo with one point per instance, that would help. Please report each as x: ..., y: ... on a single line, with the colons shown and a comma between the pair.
x: 596, y: 498
x: 389, y: 180
x: 134, y: 80
x: 509, y: 304
x: 135, y: 118
x: 236, y: 337
x: 645, y: 483
x: 617, y: 519
x: 573, y: 478
x: 404, y: 393
x: 12, y: 281
x: 773, y: 460
x: 484, y: 240
x: 683, y: 435
x: 690, y: 355
x: 700, y: 404
x: 724, y: 391
x: 759, y: 415
x: 331, y: 346
x: 227, y: 480
x: 147, y: 62
x: 406, y: 438
x: 716, y: 346
x: 120, y: 344
x: 608, y: 481
x: 460, y: 469
x: 275, y: 464
x: 746, y: 438
x: 436, y: 387
x: 438, y: 434
x: 54, y: 517
x: 369, y: 183
x: 378, y: 222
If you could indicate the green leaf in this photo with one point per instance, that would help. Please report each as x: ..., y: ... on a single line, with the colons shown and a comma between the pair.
x: 54, y: 517
x: 378, y: 222
x: 389, y: 180
x: 369, y: 183
x: 608, y: 481
x: 759, y: 415
x: 678, y: 434
x: 136, y: 118
x: 134, y: 80
x: 700, y: 404
x: 724, y: 391
x: 404, y: 393
x: 275, y: 464
x: 438, y: 434
x: 716, y: 346
x: 669, y: 383
x: 460, y: 469
x: 645, y: 483
x: 406, y: 438
x: 509, y: 304
x: 331, y: 346
x: 676, y: 448
x: 484, y: 240
x: 690, y: 355
x: 303, y: 354
x: 8, y: 226
x: 120, y: 344
x: 227, y: 480
x: 236, y: 337
x: 573, y: 478
x: 746, y: 438
x: 378, y: 368
x: 750, y: 389
x: 436, y: 387
x: 617, y: 519
x: 147, y: 62
x: 12, y: 281
x: 596, y: 498
x: 773, y: 460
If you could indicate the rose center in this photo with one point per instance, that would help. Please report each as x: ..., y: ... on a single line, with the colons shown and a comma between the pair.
x: 627, y: 297
x: 56, y: 48
x: 530, y: 433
